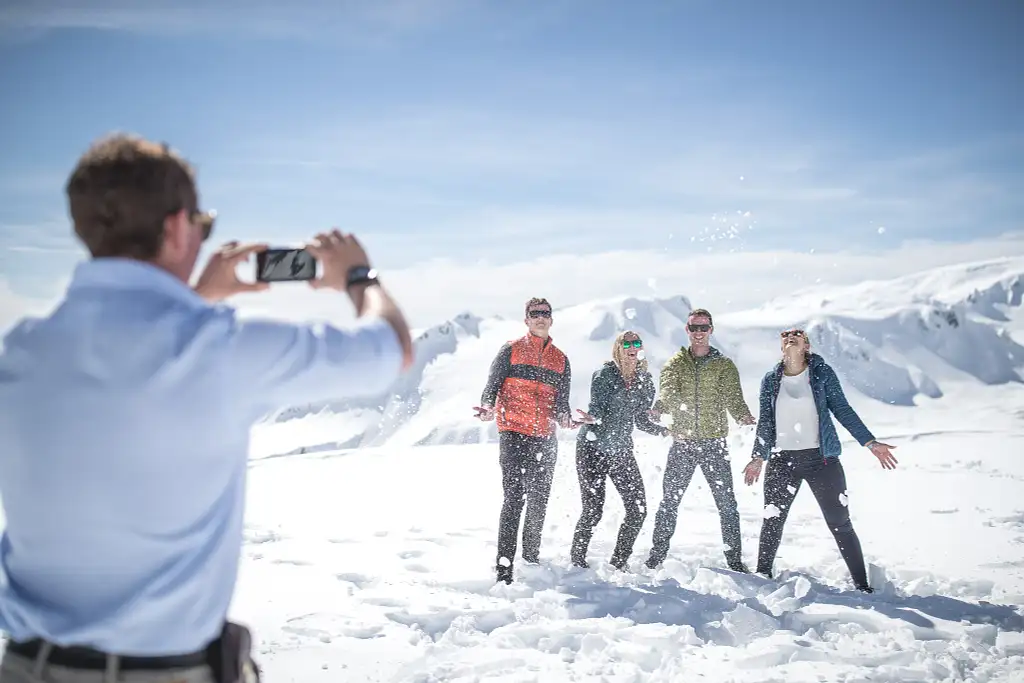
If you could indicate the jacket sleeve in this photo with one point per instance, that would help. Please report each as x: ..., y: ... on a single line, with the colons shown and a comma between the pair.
x: 733, y: 391
x: 500, y: 367
x: 764, y: 438
x: 598, y: 395
x: 668, y: 381
x: 643, y: 421
x: 562, y: 409
x: 842, y: 409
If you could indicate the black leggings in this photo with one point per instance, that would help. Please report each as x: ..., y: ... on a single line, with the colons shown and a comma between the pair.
x: 785, y: 472
x: 594, y: 468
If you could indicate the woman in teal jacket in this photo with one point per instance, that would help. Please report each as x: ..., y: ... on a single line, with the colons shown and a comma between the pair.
x: 796, y: 436
x: 621, y: 394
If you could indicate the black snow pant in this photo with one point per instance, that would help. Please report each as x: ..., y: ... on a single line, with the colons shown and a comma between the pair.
x: 683, y: 459
x: 784, y: 474
x: 593, y: 469
x: 527, y: 469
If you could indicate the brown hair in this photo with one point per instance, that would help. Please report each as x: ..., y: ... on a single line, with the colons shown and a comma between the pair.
x: 537, y: 301
x: 121, y: 191
x: 702, y: 312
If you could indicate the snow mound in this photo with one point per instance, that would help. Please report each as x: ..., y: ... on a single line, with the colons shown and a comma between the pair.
x: 897, y: 342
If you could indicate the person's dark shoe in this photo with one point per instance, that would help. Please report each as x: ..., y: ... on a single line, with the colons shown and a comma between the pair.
x: 531, y: 559
x: 619, y: 563
x: 739, y: 567
x: 504, y: 575
x: 652, y: 563
x: 581, y: 563
x: 865, y: 589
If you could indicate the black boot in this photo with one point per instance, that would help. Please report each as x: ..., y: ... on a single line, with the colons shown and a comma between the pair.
x: 738, y: 566
x: 505, y: 574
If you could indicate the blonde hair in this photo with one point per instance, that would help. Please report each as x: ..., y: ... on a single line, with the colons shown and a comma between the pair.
x: 618, y: 352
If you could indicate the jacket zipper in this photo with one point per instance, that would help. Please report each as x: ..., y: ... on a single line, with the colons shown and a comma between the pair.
x: 536, y: 394
x: 696, y: 399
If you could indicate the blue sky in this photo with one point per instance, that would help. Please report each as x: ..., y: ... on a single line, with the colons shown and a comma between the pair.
x: 506, y: 131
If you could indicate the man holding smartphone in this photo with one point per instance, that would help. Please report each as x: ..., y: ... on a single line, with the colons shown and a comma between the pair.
x: 124, y: 428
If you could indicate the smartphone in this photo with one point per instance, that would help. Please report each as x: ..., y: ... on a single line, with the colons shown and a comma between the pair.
x: 285, y: 265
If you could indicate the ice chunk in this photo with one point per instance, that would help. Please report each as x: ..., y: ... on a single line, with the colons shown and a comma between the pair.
x: 504, y: 562
x: 844, y: 499
x: 591, y: 436
x: 630, y: 313
x: 770, y: 511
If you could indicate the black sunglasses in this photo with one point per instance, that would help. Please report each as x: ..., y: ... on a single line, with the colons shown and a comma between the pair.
x: 701, y: 327
x: 539, y: 313
x: 636, y: 343
x: 205, y: 221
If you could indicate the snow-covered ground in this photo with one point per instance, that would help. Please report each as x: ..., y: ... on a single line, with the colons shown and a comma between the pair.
x: 374, y: 563
x: 372, y: 560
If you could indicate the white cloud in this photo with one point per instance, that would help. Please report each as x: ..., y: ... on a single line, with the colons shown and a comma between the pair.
x: 348, y: 21
x: 434, y: 291
x: 722, y: 282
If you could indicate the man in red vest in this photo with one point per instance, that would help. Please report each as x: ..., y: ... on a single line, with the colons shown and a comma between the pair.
x: 527, y: 393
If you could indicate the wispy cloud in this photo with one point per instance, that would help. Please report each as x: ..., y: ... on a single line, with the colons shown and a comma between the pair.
x: 603, y: 179
x: 348, y: 21
x: 437, y: 290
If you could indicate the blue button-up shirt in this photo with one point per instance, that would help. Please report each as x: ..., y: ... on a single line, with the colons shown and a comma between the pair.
x: 124, y: 434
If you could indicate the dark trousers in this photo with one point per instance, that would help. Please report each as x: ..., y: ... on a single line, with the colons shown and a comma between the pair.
x: 593, y: 469
x: 527, y: 468
x: 683, y: 459
x: 784, y: 474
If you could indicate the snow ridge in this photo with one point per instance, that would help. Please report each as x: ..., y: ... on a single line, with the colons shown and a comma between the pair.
x: 897, y: 342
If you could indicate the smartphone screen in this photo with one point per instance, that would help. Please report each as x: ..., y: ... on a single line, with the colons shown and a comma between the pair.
x: 285, y: 265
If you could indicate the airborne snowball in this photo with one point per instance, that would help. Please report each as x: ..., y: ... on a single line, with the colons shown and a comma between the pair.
x: 630, y: 313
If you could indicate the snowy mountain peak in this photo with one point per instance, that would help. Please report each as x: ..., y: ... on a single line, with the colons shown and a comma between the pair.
x: 897, y: 342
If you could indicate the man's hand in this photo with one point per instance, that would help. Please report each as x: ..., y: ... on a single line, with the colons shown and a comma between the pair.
x: 654, y: 415
x: 219, y: 279
x: 483, y: 413
x: 749, y: 420
x: 881, y: 451
x: 752, y: 472
x: 337, y: 254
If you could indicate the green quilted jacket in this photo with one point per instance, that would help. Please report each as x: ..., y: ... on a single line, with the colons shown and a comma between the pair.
x: 697, y: 393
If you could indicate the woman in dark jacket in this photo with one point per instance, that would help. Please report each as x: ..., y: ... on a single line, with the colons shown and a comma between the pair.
x: 795, y: 434
x: 621, y: 394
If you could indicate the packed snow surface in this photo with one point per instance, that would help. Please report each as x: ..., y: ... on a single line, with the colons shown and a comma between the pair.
x: 372, y: 528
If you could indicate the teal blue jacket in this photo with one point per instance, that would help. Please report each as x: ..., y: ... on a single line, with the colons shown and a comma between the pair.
x: 620, y: 409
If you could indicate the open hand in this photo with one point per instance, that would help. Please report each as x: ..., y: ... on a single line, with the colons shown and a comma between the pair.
x: 748, y: 420
x: 483, y: 413
x: 337, y: 253
x: 219, y: 279
x: 752, y: 472
x: 881, y: 451
x: 586, y: 418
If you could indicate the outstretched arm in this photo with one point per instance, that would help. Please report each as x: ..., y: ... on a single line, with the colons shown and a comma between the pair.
x: 496, y: 377
x: 734, y: 400
x: 563, y: 413
x: 842, y: 409
x: 764, y: 439
x: 669, y: 388
x: 642, y: 419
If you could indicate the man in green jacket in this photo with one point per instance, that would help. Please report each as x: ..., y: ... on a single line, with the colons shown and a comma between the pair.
x: 698, y: 386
